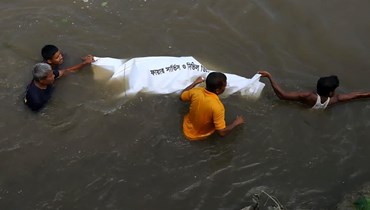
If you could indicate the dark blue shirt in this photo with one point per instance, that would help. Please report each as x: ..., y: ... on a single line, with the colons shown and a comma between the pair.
x: 36, y: 98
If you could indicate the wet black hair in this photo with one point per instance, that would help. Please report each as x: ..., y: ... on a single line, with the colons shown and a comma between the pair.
x: 48, y: 51
x: 215, y: 80
x: 328, y: 84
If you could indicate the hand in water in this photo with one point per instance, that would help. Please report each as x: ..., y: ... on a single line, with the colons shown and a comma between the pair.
x: 239, y: 120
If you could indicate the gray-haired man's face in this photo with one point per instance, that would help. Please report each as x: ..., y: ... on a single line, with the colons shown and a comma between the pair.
x: 49, y: 79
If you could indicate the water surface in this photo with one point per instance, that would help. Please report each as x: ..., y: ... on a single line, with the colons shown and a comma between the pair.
x: 89, y: 149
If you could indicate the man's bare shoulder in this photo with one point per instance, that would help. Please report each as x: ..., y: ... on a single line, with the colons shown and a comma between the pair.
x: 308, y: 98
x: 308, y: 95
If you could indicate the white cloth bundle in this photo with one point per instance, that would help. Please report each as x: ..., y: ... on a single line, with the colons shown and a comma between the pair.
x: 165, y: 75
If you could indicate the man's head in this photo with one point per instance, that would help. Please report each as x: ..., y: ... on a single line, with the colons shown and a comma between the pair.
x: 216, y: 82
x: 43, y: 74
x: 52, y: 55
x: 327, y: 85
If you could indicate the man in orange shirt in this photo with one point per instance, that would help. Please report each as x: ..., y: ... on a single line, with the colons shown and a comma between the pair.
x: 206, y: 113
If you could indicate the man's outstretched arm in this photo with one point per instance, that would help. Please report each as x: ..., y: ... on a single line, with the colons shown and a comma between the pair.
x: 86, y: 60
x: 238, y: 121
x: 192, y: 85
x: 350, y: 96
x: 283, y: 95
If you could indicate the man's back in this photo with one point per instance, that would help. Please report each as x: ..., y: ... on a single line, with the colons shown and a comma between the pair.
x: 206, y: 113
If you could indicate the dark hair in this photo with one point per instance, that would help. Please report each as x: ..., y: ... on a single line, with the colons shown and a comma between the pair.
x: 325, y: 85
x: 215, y: 80
x: 48, y: 51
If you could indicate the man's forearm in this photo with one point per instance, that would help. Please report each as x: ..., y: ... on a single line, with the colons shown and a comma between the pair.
x: 76, y: 67
x: 278, y: 91
x: 192, y: 85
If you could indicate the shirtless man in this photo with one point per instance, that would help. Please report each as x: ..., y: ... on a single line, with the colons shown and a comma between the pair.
x: 323, y: 97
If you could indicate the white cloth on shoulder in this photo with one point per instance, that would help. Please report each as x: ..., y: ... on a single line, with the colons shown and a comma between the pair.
x: 165, y: 75
x: 320, y: 105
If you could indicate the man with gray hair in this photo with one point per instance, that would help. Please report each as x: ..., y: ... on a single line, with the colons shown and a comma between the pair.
x: 40, y: 89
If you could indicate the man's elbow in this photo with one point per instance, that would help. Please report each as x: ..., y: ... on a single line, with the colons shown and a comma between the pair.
x: 282, y: 96
x: 221, y: 133
x: 180, y: 96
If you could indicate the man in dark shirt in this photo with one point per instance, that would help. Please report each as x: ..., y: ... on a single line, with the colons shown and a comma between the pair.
x: 39, y: 91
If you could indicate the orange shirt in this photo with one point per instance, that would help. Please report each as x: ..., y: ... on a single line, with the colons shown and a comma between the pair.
x: 206, y: 114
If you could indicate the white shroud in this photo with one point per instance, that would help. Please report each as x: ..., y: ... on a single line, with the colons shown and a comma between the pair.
x: 165, y: 75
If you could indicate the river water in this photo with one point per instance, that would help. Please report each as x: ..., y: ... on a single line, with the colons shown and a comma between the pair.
x: 89, y: 149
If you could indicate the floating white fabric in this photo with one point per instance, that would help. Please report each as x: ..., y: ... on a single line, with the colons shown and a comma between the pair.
x: 164, y: 75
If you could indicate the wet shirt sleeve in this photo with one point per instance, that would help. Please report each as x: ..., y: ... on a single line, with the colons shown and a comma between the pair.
x: 56, y: 73
x: 219, y: 117
x: 186, y: 95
